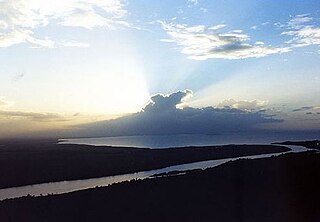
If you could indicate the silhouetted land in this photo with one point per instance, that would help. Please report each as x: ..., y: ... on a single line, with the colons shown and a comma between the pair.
x: 36, y: 161
x: 283, y: 188
x: 313, y: 144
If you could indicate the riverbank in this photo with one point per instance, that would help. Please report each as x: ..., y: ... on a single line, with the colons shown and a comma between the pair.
x: 28, y: 162
x: 283, y: 188
x: 313, y: 144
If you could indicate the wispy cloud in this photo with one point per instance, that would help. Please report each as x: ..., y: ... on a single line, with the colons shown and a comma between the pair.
x: 75, y: 44
x: 18, y: 77
x: 298, y: 21
x: 201, y: 43
x: 19, y: 19
x: 191, y: 3
x: 307, y: 108
x: 216, y: 27
x: 303, y: 32
x: 305, y: 36
x: 4, y: 102
x: 42, y: 117
x: 204, y: 10
x: 254, y: 27
x: 16, y: 36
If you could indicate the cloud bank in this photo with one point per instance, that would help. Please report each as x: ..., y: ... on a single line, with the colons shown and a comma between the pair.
x: 163, y: 115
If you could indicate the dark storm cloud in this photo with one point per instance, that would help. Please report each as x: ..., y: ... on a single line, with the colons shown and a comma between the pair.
x: 161, y: 116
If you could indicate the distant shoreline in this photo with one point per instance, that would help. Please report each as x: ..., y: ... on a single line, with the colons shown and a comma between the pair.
x: 181, y: 140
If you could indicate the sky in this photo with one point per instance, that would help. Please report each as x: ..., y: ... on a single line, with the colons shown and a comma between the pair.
x: 69, y: 63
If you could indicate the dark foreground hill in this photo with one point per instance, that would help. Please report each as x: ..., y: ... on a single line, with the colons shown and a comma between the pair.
x: 284, y: 188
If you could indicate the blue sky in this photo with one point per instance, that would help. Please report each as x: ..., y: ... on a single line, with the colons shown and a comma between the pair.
x: 70, y: 62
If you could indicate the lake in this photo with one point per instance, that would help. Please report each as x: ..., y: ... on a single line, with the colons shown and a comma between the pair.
x: 165, y: 141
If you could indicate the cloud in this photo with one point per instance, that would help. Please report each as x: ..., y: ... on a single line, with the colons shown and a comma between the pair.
x: 298, y: 21
x: 46, y: 43
x: 306, y: 36
x: 302, y: 31
x: 20, y: 18
x: 204, y: 10
x: 201, y: 43
x: 75, y: 44
x: 192, y: 3
x: 41, y: 117
x: 306, y: 108
x: 164, y: 116
x: 23, y: 36
x: 4, y: 102
x: 302, y: 109
x: 85, y: 18
x: 216, y: 27
x: 164, y: 103
x: 18, y: 77
x: 243, y: 105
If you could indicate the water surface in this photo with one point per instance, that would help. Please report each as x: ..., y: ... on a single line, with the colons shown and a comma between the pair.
x: 165, y: 141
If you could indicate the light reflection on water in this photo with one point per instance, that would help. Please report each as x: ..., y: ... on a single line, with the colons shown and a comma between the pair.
x: 69, y: 186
